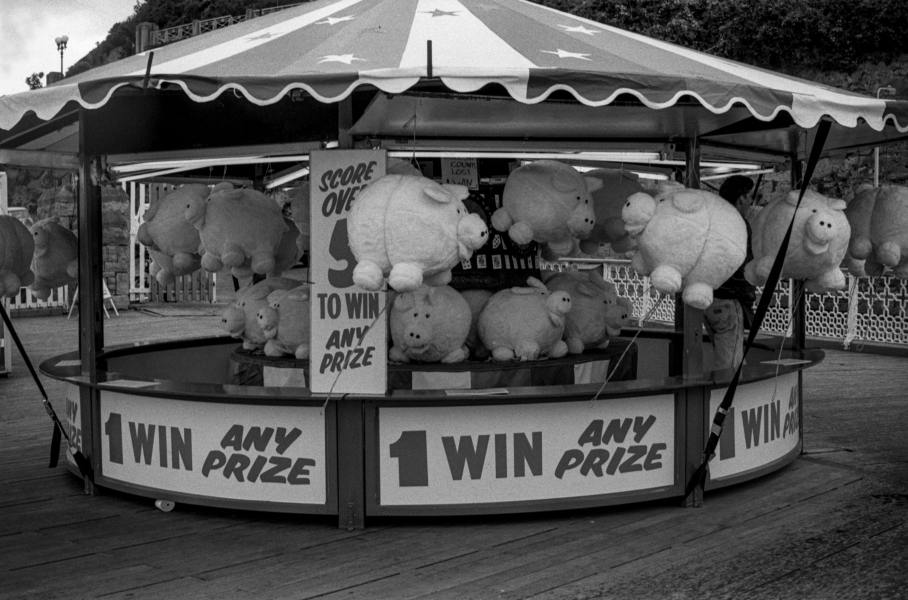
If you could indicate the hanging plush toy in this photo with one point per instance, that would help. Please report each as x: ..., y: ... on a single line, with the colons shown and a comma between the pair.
x: 688, y: 240
x: 549, y: 202
x: 235, y: 225
x: 240, y: 318
x: 525, y: 323
x: 56, y: 261
x: 879, y: 230
x: 285, y: 322
x: 166, y: 231
x: 430, y: 324
x: 597, y: 313
x: 819, y: 241
x: 411, y: 229
x: 17, y: 248
x: 608, y: 200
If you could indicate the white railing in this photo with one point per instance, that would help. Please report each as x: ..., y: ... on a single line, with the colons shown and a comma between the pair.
x: 180, y: 32
x: 26, y: 299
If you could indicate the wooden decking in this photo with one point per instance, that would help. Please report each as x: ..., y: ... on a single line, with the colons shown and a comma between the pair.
x: 831, y: 525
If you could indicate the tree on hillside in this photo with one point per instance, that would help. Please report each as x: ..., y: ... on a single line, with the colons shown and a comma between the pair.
x: 34, y: 81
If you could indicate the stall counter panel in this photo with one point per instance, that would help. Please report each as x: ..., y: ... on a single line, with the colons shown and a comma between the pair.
x: 512, y: 453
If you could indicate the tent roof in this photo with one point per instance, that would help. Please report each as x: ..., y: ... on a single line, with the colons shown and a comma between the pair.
x: 330, y: 48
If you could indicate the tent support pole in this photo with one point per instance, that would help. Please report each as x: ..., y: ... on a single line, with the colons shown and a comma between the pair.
x: 799, y: 310
x: 690, y: 321
x: 91, y: 325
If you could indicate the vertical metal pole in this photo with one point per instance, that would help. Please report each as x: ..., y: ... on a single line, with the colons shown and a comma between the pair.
x: 351, y: 467
x: 91, y: 326
x: 799, y: 319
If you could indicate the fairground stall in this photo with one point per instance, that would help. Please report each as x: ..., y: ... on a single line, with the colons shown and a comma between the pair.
x: 339, y: 88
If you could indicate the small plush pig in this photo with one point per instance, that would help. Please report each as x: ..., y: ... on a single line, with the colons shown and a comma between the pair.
x: 686, y: 239
x: 430, y: 324
x: 411, y: 229
x: 617, y: 187
x: 56, y: 261
x: 597, y: 313
x: 819, y: 241
x: 235, y: 225
x: 525, y: 323
x: 285, y: 322
x: 17, y: 249
x: 548, y: 202
x: 879, y: 230
x: 240, y: 318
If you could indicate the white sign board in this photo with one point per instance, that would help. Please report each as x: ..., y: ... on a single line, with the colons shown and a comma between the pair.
x: 763, y: 425
x: 462, y: 171
x: 234, y: 451
x: 72, y: 421
x: 510, y: 453
x: 349, y: 349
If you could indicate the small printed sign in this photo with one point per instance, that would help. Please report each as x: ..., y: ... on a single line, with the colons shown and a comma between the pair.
x: 462, y: 171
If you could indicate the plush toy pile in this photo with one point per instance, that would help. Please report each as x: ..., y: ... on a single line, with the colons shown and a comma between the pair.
x: 240, y: 318
x: 548, y: 202
x: 17, y: 248
x: 430, y: 324
x: 608, y: 201
x: 597, y: 312
x: 819, y: 241
x: 879, y: 231
x: 688, y: 240
x: 56, y: 261
x: 411, y: 230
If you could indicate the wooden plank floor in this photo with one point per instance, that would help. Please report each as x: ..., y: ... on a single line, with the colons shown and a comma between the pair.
x: 831, y: 525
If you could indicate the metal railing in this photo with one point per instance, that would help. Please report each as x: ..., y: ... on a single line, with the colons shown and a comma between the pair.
x: 169, y: 35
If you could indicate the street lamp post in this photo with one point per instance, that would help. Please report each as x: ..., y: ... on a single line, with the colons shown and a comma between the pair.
x: 61, y: 46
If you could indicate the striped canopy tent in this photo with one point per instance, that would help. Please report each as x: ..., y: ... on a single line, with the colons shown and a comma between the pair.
x: 408, y: 66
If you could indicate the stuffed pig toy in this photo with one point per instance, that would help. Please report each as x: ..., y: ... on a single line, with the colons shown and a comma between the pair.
x: 56, y: 261
x: 285, y: 322
x: 819, y: 241
x: 17, y: 249
x: 166, y: 231
x: 549, y: 202
x: 597, y: 313
x: 617, y: 187
x: 477, y: 300
x: 430, y: 324
x: 689, y: 240
x: 288, y: 253
x: 879, y: 230
x: 411, y: 229
x: 525, y: 323
x: 165, y: 271
x: 240, y: 318
x: 235, y: 225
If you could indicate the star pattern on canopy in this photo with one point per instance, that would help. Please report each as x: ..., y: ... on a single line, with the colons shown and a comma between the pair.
x: 442, y: 13
x: 334, y: 20
x: 579, y: 29
x: 341, y: 58
x: 565, y: 54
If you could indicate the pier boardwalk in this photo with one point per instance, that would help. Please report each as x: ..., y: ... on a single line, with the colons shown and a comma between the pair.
x: 833, y: 524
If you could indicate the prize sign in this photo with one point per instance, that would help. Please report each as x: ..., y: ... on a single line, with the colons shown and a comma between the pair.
x: 349, y: 349
x: 242, y: 452
x: 762, y: 425
x: 512, y: 453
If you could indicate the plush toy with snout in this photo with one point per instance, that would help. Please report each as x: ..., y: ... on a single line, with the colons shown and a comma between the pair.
x: 166, y: 231
x: 240, y: 318
x: 411, y: 230
x: 56, y: 261
x: 17, y: 249
x: 597, y: 312
x: 879, y: 230
x: 165, y: 271
x: 548, y: 202
x: 617, y: 187
x: 235, y: 225
x: 430, y: 324
x: 285, y: 322
x: 689, y: 240
x: 818, y: 244
x: 525, y: 323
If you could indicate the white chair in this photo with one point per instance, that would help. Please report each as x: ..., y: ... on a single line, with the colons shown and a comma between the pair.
x: 105, y: 295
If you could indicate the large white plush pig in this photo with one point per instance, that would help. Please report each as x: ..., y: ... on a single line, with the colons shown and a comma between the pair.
x: 879, y: 230
x: 689, y: 240
x: 411, y: 229
x: 56, y: 261
x: 819, y: 241
x: 430, y: 324
x: 548, y: 202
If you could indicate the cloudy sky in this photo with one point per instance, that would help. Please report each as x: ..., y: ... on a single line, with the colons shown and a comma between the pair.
x: 28, y: 29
